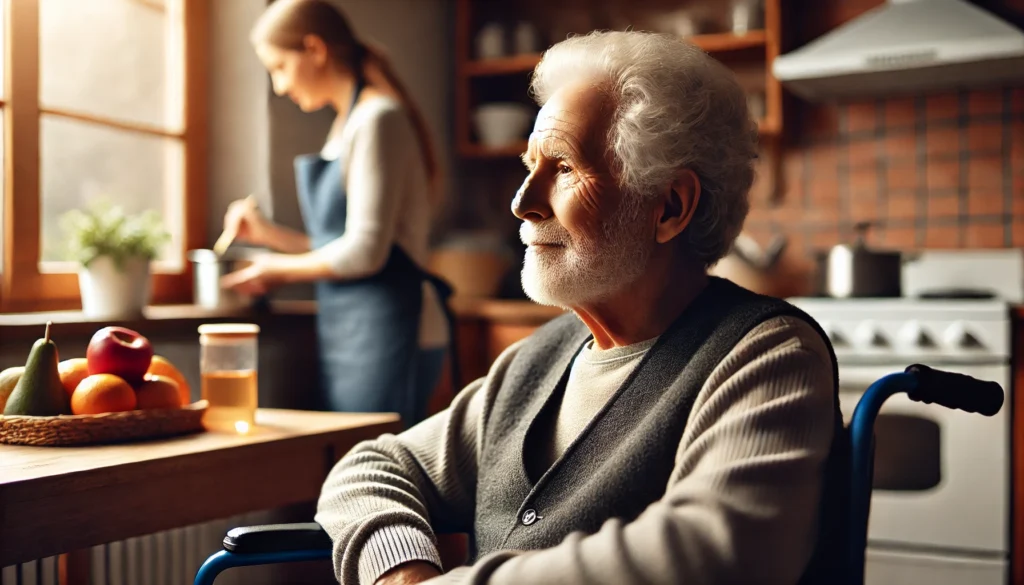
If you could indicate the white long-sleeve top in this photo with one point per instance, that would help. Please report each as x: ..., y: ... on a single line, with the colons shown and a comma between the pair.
x: 388, y: 200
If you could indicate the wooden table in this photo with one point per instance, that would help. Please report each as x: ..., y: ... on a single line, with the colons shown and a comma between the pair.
x: 56, y: 500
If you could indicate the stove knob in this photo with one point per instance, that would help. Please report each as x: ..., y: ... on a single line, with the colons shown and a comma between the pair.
x: 834, y: 336
x: 957, y: 336
x: 913, y: 335
x: 868, y: 335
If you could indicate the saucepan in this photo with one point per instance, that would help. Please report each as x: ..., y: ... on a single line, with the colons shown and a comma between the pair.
x: 856, y: 271
x: 208, y: 267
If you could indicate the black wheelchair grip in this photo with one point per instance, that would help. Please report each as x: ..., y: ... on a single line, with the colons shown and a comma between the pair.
x: 276, y: 538
x: 955, y: 390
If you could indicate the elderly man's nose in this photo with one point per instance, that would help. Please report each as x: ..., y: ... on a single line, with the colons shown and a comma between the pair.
x: 529, y: 203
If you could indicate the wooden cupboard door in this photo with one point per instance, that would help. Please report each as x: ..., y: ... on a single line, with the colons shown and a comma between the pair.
x: 502, y: 335
x: 479, y: 344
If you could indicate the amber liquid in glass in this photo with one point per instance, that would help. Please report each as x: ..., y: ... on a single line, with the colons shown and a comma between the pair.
x: 232, y: 399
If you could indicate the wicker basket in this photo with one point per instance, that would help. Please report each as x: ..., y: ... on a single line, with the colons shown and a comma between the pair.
x: 110, y: 427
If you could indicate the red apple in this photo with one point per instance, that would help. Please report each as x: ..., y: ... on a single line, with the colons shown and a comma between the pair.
x: 119, y: 351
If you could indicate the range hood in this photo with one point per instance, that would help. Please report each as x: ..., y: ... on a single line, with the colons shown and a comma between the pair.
x: 906, y: 46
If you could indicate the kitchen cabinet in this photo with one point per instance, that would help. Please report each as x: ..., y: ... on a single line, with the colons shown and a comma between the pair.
x: 493, y: 63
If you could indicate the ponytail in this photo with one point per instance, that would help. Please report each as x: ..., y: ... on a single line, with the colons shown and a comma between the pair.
x: 378, y: 72
x: 285, y: 23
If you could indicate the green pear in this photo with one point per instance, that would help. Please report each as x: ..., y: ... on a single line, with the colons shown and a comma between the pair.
x: 39, y: 391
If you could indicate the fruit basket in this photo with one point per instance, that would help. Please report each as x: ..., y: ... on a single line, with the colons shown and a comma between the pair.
x: 110, y: 427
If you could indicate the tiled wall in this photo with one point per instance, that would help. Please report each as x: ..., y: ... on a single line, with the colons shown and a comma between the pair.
x: 942, y: 170
x: 927, y: 171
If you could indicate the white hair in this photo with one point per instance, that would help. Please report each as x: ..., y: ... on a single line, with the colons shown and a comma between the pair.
x: 676, y: 108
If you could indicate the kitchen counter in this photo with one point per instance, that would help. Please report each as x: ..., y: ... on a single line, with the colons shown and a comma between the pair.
x: 156, y: 319
x: 520, y: 311
x: 485, y: 327
x: 504, y: 311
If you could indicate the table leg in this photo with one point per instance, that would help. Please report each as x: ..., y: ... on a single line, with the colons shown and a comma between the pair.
x: 74, y: 568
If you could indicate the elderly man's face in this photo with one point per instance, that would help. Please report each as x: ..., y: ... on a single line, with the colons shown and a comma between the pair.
x: 586, y: 239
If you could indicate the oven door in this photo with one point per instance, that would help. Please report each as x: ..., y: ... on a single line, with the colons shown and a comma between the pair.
x: 941, y: 476
x: 897, y: 567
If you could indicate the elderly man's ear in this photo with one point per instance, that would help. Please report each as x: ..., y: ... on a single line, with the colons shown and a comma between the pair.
x: 675, y: 211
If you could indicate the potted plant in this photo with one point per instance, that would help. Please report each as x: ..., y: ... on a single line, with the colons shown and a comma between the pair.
x: 114, y: 251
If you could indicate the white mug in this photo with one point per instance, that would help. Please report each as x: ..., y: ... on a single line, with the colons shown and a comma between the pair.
x: 490, y: 41
x: 747, y: 15
x: 527, y: 39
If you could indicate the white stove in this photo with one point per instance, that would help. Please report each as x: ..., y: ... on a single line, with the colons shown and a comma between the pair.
x: 941, y: 499
x: 893, y: 331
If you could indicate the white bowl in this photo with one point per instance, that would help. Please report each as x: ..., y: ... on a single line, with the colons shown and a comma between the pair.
x: 502, y: 124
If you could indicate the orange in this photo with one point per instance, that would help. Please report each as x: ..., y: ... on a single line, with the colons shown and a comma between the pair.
x: 161, y: 366
x: 101, y: 393
x: 72, y: 372
x: 157, y: 392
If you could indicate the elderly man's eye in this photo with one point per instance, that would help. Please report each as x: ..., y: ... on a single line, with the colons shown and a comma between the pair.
x: 564, y: 169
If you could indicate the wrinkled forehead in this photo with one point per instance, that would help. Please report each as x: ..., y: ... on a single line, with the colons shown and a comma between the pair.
x: 579, y: 113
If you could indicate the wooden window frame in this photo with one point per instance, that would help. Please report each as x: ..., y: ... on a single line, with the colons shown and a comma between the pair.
x: 23, y: 287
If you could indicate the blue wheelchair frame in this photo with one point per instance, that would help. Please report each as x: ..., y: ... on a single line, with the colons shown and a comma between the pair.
x: 270, y: 544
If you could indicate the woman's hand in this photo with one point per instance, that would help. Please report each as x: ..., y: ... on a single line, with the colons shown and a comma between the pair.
x: 271, y: 270
x: 249, y: 225
x: 258, y: 278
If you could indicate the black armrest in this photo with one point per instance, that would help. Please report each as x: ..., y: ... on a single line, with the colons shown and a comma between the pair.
x: 276, y: 538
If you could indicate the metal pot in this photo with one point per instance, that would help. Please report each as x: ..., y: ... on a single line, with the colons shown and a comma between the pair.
x: 854, y: 271
x: 207, y: 269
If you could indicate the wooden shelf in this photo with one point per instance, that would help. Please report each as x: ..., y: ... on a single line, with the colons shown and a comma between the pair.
x: 768, y: 127
x: 479, y: 81
x: 502, y: 65
x: 723, y: 42
x: 476, y: 150
x: 508, y: 311
x: 712, y: 43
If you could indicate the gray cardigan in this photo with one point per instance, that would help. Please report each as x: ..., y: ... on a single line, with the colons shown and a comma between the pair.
x: 706, y: 466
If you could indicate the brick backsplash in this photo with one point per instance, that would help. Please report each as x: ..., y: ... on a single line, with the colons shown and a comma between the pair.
x: 930, y: 171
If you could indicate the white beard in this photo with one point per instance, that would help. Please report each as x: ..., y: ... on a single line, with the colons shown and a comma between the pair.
x: 585, y: 271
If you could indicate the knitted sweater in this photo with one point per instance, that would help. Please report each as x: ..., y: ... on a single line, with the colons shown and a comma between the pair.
x: 739, y: 504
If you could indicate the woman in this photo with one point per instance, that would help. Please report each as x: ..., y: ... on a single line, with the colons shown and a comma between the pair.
x: 366, y: 201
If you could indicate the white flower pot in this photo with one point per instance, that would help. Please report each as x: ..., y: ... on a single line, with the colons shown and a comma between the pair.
x: 109, y: 292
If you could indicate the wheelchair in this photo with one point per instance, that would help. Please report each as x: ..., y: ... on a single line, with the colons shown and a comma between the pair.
x: 280, y: 543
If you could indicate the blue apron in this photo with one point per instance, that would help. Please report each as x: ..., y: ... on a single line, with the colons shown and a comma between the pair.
x: 368, y: 329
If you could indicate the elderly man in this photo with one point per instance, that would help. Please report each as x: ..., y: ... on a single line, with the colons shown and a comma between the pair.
x: 673, y: 428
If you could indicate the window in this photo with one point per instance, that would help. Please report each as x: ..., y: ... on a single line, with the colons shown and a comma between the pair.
x: 104, y: 99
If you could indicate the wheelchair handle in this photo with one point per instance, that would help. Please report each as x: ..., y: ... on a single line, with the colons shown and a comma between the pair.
x: 955, y: 390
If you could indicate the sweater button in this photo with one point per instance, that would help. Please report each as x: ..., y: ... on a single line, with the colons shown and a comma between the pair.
x: 529, y: 517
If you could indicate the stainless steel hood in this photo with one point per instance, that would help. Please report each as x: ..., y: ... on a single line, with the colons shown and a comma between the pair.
x: 906, y: 46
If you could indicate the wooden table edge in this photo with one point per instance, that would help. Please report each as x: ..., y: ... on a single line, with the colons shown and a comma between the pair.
x: 332, y: 445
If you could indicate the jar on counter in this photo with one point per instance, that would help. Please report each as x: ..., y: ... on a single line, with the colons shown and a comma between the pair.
x: 228, y: 354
